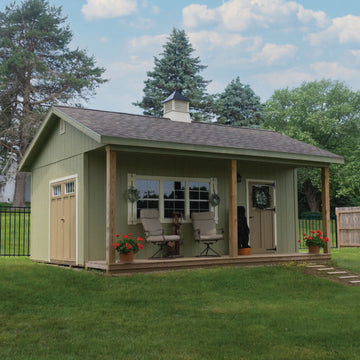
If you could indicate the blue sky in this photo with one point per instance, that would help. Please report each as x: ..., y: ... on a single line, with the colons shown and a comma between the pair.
x: 269, y: 44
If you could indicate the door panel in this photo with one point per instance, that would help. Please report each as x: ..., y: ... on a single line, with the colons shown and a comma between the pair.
x: 261, y: 221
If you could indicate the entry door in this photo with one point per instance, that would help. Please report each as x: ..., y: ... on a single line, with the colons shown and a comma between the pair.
x: 63, y: 221
x: 261, y: 217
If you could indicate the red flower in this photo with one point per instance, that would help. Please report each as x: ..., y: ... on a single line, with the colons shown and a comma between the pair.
x: 117, y: 235
x: 304, y: 234
x: 313, y: 232
x: 320, y: 237
x: 319, y: 232
x: 299, y: 240
x: 128, y: 246
x: 116, y: 245
x: 326, y: 239
x: 139, y: 239
x: 140, y: 246
x: 310, y: 238
x: 125, y: 236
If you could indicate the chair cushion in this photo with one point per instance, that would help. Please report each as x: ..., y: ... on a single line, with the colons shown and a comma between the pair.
x: 211, y: 237
x: 172, y: 237
x: 205, y: 223
x: 156, y: 239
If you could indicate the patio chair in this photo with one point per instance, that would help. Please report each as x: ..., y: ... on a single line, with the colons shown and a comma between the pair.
x: 154, y: 232
x: 204, y: 227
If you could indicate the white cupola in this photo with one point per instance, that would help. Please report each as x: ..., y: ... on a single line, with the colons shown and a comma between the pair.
x: 176, y: 107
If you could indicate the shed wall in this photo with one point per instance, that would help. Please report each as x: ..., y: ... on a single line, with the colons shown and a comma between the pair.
x: 177, y: 166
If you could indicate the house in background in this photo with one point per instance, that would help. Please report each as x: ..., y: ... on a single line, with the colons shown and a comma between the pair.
x: 8, y: 181
x: 83, y: 163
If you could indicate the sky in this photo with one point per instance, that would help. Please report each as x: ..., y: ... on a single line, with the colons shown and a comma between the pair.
x: 269, y: 44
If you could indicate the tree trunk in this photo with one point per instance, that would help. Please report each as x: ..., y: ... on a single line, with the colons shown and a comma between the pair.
x: 311, y: 196
x: 19, y: 196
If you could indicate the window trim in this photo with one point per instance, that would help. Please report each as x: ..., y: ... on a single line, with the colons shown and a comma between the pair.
x: 132, y: 207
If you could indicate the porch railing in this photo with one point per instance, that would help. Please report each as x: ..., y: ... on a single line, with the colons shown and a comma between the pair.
x: 15, y: 231
x: 314, y: 222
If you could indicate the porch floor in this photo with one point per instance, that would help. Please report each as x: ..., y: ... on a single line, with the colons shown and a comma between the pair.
x: 150, y: 265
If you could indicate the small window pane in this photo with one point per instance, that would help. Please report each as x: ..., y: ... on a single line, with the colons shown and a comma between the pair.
x: 70, y: 187
x: 56, y: 190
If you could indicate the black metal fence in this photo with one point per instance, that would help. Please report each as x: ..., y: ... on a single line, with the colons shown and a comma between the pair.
x: 15, y: 231
x: 308, y: 223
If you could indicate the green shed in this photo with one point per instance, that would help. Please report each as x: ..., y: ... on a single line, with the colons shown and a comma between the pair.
x: 83, y: 162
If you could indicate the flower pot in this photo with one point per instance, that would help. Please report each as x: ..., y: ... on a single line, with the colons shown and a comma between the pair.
x: 127, y: 258
x: 244, y: 251
x: 314, y: 249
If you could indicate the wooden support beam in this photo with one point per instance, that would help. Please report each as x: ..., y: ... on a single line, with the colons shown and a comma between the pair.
x: 110, y: 204
x: 325, y: 194
x: 233, y: 235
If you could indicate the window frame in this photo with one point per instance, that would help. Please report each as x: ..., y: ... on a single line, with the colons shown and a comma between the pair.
x: 132, y: 207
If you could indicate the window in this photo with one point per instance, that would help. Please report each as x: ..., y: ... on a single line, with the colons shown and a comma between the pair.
x: 149, y: 195
x: 170, y: 195
x: 56, y: 190
x: 199, y: 196
x: 69, y: 187
x: 174, y: 198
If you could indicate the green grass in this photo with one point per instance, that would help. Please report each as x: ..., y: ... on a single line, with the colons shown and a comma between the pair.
x: 274, y: 312
x: 347, y: 258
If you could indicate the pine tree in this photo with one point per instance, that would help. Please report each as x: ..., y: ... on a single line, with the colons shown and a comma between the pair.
x: 37, y: 69
x: 176, y: 69
x: 238, y: 105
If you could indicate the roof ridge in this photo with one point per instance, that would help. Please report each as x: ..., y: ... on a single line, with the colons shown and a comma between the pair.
x: 108, y: 111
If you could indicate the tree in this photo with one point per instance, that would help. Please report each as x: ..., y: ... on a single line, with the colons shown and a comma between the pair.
x: 176, y: 69
x: 37, y: 69
x: 326, y: 114
x: 238, y: 105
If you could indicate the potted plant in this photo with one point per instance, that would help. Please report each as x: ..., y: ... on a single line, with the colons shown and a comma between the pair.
x: 127, y: 247
x: 315, y: 241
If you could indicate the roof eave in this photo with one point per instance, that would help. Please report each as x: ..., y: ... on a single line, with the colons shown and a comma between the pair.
x: 201, y: 150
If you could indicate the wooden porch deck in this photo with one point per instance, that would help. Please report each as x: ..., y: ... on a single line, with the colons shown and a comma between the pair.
x: 147, y: 265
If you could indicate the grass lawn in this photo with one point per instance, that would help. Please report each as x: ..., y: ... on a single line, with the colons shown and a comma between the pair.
x: 273, y: 312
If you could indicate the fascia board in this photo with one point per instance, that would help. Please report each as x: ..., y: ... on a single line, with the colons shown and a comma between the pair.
x: 222, y: 152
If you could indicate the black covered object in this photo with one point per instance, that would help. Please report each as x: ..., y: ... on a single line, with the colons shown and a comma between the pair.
x: 243, y: 228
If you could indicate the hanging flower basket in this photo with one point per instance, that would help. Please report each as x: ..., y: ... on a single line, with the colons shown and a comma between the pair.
x: 214, y: 199
x: 261, y: 197
x: 133, y: 194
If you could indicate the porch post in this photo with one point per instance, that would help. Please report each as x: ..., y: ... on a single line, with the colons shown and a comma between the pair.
x: 233, y: 235
x: 110, y: 204
x: 325, y: 194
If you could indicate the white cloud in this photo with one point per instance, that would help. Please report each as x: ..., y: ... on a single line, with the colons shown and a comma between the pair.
x: 213, y: 38
x: 273, y: 53
x: 195, y: 14
x: 334, y: 70
x: 104, y: 9
x: 148, y: 42
x: 344, y: 29
x: 239, y: 15
x: 122, y: 69
x: 356, y: 54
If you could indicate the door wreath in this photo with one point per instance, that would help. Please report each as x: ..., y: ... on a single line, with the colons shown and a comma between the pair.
x: 261, y: 197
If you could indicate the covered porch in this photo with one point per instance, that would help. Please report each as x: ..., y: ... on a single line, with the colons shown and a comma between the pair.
x: 112, y: 265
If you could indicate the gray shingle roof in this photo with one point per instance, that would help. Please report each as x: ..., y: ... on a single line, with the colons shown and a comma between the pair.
x: 130, y: 126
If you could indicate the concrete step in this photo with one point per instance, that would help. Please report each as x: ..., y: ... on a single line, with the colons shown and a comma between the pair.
x: 326, y: 269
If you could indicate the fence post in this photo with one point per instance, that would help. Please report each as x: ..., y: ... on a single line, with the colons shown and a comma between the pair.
x: 325, y: 195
